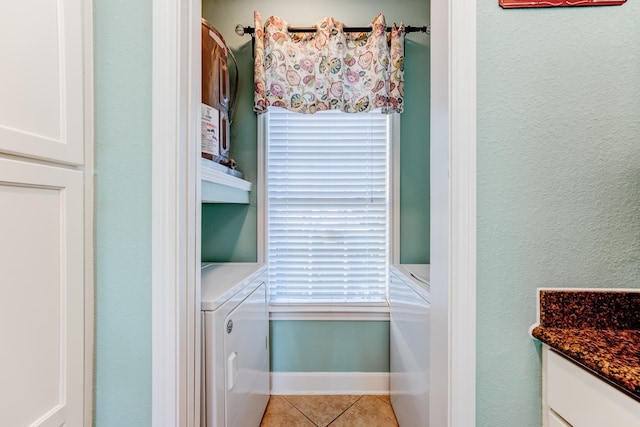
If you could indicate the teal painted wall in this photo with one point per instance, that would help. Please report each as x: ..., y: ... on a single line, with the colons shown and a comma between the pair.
x: 236, y: 240
x: 414, y: 149
x: 558, y: 188
x: 229, y: 232
x: 329, y: 346
x: 122, y: 31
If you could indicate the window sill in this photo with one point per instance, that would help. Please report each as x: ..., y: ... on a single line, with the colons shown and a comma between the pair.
x: 329, y: 312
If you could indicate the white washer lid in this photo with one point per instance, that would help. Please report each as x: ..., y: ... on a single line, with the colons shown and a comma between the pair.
x: 422, y: 272
x: 221, y: 281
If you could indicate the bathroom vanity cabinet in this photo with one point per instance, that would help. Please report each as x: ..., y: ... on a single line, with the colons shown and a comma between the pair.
x: 590, y: 339
x: 575, y: 397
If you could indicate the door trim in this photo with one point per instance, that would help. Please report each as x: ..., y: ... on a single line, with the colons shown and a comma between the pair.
x: 89, y: 251
x: 176, y: 213
x: 453, y: 213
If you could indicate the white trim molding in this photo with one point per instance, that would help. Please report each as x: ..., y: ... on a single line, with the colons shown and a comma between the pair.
x: 311, y: 312
x: 176, y: 214
x: 453, y: 214
x: 89, y: 213
x: 394, y: 214
x: 308, y: 383
x: 261, y: 200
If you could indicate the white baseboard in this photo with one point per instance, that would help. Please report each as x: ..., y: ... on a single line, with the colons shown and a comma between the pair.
x: 329, y: 383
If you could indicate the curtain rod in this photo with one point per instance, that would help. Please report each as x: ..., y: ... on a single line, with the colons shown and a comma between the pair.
x: 241, y: 30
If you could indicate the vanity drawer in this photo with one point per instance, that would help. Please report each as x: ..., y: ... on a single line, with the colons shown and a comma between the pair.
x: 584, y: 400
x: 555, y: 420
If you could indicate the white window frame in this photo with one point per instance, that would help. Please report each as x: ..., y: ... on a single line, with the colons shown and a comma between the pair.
x: 329, y: 312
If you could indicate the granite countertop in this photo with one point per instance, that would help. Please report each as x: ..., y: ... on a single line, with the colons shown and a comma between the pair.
x: 598, y: 329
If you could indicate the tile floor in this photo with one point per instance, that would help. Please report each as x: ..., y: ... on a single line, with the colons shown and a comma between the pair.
x: 333, y: 410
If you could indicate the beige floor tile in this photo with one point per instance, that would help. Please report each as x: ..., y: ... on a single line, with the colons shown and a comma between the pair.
x: 281, y: 413
x: 322, y: 409
x: 368, y: 411
x: 384, y: 397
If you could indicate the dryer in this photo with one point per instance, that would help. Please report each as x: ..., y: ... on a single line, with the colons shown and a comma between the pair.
x: 235, y: 350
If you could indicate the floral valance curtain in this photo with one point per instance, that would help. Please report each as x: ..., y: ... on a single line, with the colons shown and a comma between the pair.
x: 328, y: 69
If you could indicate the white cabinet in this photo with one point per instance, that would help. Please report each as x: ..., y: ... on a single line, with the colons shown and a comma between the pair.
x: 42, y: 79
x: 45, y: 369
x: 41, y: 295
x: 556, y: 420
x: 574, y: 397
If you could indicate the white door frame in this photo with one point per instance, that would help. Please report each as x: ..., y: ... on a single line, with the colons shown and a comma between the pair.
x: 176, y: 213
x: 453, y: 213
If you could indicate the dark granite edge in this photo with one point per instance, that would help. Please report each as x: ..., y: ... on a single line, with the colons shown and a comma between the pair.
x: 589, y: 308
x: 592, y: 364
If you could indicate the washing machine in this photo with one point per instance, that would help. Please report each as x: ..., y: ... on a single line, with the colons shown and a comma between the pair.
x: 410, y: 317
x: 235, y: 348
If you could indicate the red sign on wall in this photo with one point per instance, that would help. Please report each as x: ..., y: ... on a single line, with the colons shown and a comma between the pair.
x: 553, y: 3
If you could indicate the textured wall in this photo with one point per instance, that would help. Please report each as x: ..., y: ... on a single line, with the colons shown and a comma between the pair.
x: 236, y: 240
x: 329, y: 346
x: 558, y: 179
x: 123, y: 212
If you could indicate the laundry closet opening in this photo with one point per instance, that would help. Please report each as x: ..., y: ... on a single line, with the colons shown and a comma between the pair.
x: 339, y: 339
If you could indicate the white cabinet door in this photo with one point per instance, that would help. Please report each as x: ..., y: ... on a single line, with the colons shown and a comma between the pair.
x: 581, y: 398
x: 42, y: 211
x: 556, y: 420
x: 41, y: 79
x: 41, y: 295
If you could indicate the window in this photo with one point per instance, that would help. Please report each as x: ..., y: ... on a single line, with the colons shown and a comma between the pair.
x: 327, y: 207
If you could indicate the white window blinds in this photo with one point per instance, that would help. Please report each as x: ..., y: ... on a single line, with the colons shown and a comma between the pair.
x: 327, y: 207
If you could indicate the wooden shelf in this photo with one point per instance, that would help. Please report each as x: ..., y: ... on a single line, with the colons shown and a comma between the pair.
x: 220, y: 187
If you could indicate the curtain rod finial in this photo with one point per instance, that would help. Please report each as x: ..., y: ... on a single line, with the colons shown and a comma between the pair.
x: 240, y: 30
